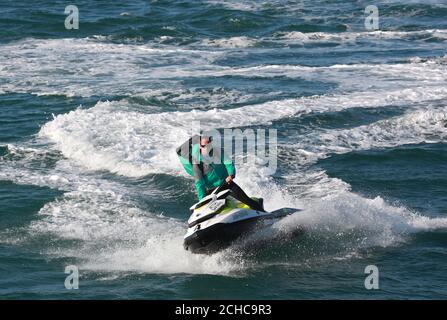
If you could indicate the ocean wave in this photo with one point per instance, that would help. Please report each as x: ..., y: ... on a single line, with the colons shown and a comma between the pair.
x: 286, y: 38
x: 140, y: 143
x: 233, y: 42
x: 115, y: 234
x: 87, y: 67
x: 419, y: 126
x: 342, y: 37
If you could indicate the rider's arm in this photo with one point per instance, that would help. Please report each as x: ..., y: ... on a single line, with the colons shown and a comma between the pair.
x: 229, y: 165
x: 201, y: 191
x: 199, y: 181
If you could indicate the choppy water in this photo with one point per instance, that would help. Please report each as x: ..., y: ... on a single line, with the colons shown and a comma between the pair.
x: 90, y: 119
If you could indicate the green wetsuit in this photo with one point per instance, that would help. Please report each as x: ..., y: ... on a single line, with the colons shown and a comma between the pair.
x: 209, y: 175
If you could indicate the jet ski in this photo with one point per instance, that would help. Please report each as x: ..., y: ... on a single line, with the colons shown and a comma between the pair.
x: 219, y: 219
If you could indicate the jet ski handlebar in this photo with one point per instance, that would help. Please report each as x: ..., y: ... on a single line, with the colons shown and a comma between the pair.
x: 219, y: 188
x: 212, y: 196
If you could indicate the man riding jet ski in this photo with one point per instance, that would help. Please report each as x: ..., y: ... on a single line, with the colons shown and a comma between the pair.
x: 211, y: 168
x: 224, y: 212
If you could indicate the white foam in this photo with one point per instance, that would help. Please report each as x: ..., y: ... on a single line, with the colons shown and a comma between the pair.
x: 414, y: 127
x: 420, y: 126
x: 357, y: 77
x: 247, y: 5
x: 329, y: 205
x: 93, y: 66
x: 163, y: 255
x: 352, y: 36
x: 364, y: 222
x: 145, y: 143
x: 340, y: 38
x: 330, y: 208
x: 118, y: 236
x: 233, y: 42
x: 87, y: 67
x: 110, y: 230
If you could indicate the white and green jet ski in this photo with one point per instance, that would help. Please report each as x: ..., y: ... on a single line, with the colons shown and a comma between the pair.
x: 219, y: 219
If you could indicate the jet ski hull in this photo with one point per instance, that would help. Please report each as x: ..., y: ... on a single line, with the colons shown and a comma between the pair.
x: 219, y: 219
x: 218, y: 236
